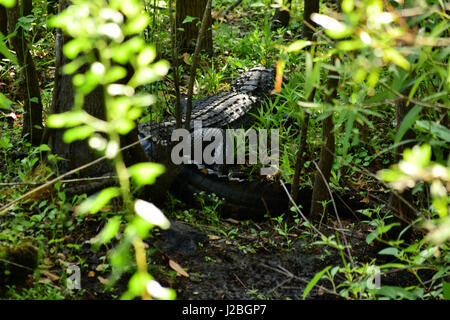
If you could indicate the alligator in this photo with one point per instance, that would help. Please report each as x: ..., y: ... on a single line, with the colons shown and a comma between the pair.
x: 228, y: 109
x: 241, y: 198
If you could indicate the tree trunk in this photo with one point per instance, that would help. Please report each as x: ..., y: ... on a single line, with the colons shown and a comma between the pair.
x: 282, y: 16
x: 320, y: 191
x: 402, y: 202
x: 79, y: 153
x: 3, y: 21
x: 188, y: 35
x: 311, y: 6
x: 32, y: 118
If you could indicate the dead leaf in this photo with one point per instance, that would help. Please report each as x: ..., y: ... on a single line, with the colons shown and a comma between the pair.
x: 45, y: 281
x: 47, y: 263
x: 180, y: 271
x: 213, y: 237
x: 100, y: 267
x: 50, y: 275
x: 102, y: 280
x: 232, y: 220
x: 186, y: 58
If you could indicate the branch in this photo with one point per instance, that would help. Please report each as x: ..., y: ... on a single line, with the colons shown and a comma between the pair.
x: 418, y: 102
x: 61, y: 177
x: 175, y: 69
x: 230, y: 8
x: 200, y: 37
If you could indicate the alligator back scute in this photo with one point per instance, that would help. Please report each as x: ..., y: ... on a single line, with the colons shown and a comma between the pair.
x: 258, y: 80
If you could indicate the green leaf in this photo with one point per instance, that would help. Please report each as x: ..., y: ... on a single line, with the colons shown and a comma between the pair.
x: 108, y: 232
x: 407, y: 123
x: 145, y: 172
x: 339, y: 33
x: 373, y: 77
x: 4, y: 143
x: 372, y: 236
x: 43, y: 148
x: 122, y: 53
x: 94, y: 203
x: 141, y: 227
x: 189, y: 19
x: 137, y: 25
x: 137, y: 285
x: 334, y: 28
x: 440, y: 204
x: 389, y: 251
x: 312, y: 75
x: 435, y: 128
x: 8, y: 3
x: 419, y: 156
x: 5, y: 52
x: 414, y: 88
x: 390, y: 175
x: 313, y: 281
x: 393, y: 55
x: 5, y: 103
x: 398, y: 292
x: 347, y: 5
x: 74, y: 47
x: 115, y: 73
x: 350, y: 45
x: 384, y: 229
x: 298, y: 45
x: 123, y: 126
x: 151, y: 74
x: 446, y: 289
x: 78, y: 133
x: 66, y: 119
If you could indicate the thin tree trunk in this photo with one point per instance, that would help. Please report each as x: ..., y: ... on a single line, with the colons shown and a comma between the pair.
x: 282, y: 16
x: 32, y: 119
x: 320, y: 191
x: 187, y: 33
x: 402, y: 202
x: 3, y: 21
x: 310, y: 7
x: 201, y: 35
x: 175, y: 69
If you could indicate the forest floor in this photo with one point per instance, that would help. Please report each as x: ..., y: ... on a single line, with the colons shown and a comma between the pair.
x: 245, y: 260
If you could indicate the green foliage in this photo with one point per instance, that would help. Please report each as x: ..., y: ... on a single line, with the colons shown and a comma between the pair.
x: 376, y: 67
x: 105, y: 39
x: 8, y: 3
x: 39, y: 292
x: 383, y: 55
